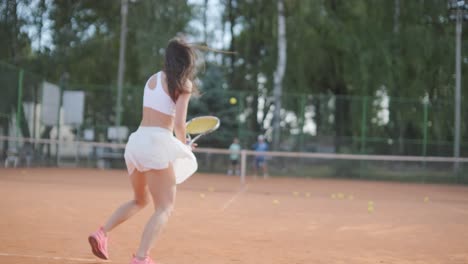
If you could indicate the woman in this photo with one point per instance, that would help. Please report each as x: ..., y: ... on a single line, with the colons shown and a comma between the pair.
x: 154, y: 157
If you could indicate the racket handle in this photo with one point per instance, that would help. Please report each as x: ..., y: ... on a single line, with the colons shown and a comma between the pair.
x: 190, y: 143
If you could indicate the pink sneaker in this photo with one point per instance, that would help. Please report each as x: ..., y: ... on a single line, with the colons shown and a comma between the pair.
x: 98, y: 242
x: 147, y: 260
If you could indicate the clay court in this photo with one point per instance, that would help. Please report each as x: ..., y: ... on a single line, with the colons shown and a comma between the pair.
x: 48, y: 213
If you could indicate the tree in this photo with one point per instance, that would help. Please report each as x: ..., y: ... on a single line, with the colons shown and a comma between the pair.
x: 279, y: 73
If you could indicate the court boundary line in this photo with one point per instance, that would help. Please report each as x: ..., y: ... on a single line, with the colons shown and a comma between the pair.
x: 455, y: 209
x: 4, y: 254
x: 234, y: 197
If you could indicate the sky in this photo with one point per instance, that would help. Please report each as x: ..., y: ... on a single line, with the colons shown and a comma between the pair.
x: 214, y: 11
x: 46, y: 36
x: 216, y: 37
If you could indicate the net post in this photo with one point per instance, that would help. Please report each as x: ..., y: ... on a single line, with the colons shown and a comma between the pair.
x: 243, y: 165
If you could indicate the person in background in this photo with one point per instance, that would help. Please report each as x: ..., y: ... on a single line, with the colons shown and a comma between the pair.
x: 260, y: 161
x: 234, y: 150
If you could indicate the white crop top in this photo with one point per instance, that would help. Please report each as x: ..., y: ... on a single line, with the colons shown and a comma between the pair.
x: 158, y: 99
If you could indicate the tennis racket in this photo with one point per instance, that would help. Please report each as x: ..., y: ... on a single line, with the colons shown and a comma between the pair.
x: 201, y: 126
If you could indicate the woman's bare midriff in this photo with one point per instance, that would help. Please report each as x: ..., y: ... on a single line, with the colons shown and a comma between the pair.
x: 154, y: 118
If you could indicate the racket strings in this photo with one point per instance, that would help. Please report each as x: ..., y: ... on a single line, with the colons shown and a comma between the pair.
x: 201, y: 125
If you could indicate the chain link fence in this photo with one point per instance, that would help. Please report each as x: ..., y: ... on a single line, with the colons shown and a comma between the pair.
x: 379, y: 125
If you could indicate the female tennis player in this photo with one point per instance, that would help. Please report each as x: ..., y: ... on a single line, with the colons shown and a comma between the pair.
x: 154, y: 157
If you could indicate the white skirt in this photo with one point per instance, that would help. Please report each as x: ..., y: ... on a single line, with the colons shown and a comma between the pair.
x: 154, y: 148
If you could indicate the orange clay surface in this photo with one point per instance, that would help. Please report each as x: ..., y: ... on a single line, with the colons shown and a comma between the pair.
x: 47, y: 214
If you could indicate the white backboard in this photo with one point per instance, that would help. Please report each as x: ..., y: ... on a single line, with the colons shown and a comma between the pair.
x: 88, y: 134
x: 50, y: 103
x: 73, y: 107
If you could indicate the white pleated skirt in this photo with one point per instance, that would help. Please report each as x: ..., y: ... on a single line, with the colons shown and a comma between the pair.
x: 154, y: 148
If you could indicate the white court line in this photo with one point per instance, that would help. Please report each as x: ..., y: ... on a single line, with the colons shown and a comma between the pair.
x: 458, y: 210
x: 233, y: 198
x: 51, y: 257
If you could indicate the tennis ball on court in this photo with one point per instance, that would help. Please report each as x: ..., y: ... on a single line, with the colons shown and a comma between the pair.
x: 202, y: 195
x: 307, y: 194
x: 426, y: 199
x: 275, y: 201
x: 296, y: 193
x: 370, y: 209
x: 233, y: 100
x: 340, y: 196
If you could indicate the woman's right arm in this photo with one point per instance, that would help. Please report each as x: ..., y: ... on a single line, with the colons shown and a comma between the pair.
x: 181, y: 115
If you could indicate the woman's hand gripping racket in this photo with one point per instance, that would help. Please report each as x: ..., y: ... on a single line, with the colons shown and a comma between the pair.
x: 200, y: 126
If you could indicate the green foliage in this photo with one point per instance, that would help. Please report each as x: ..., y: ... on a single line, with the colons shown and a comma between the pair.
x: 214, y: 100
x: 357, y: 48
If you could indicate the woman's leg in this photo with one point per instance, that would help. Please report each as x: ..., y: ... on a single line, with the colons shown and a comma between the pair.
x: 128, y: 209
x: 162, y: 186
x: 98, y: 239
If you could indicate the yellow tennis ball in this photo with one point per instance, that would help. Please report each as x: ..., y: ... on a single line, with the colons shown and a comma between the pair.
x: 202, y: 195
x: 296, y: 193
x: 370, y: 209
x: 426, y: 199
x: 275, y: 202
x: 307, y: 194
x: 233, y: 100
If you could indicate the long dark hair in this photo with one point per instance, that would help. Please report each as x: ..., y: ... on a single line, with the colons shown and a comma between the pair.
x: 179, y: 66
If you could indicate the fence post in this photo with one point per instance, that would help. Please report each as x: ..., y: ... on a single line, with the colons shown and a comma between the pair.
x: 63, y: 80
x: 302, y: 121
x: 240, y: 110
x: 424, y: 148
x: 363, y: 134
x: 363, y: 125
x: 20, y: 102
